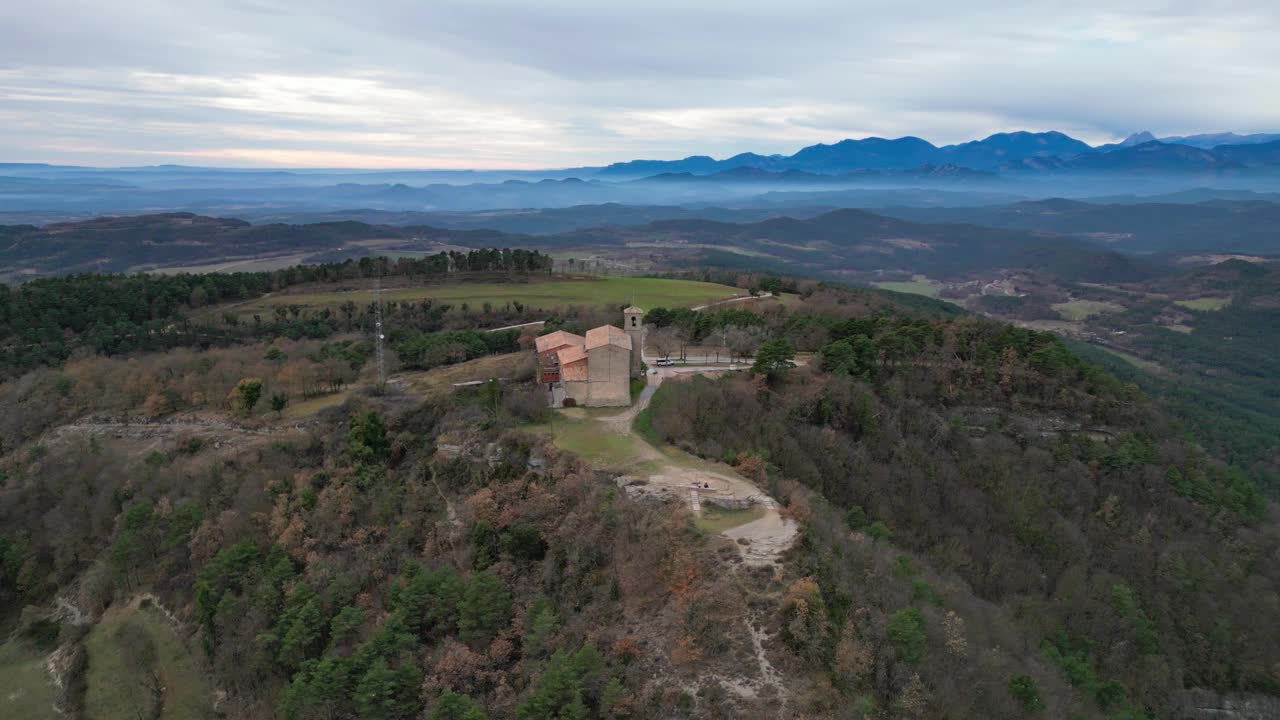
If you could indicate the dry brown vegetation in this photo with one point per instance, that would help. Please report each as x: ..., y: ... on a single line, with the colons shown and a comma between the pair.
x: 984, y: 518
x: 157, y: 385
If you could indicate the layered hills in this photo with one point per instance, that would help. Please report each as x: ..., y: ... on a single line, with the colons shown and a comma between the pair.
x: 827, y: 244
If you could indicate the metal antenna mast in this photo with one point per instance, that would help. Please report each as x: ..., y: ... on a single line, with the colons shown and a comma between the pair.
x: 377, y: 322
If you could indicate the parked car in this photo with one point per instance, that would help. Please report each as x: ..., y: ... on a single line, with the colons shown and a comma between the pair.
x: 665, y: 362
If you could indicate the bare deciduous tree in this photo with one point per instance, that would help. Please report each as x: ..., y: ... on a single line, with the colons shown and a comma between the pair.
x: 743, y: 341
x: 663, y: 341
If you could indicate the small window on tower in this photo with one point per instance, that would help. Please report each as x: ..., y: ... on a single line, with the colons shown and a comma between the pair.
x: 633, y: 321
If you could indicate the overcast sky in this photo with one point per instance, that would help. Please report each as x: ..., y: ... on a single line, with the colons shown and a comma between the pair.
x: 555, y: 83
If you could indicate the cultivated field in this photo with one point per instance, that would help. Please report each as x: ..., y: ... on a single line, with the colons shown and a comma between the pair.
x: 1204, y: 303
x: 1081, y: 309
x: 537, y: 294
x: 918, y: 285
x: 252, y: 264
x: 1133, y: 360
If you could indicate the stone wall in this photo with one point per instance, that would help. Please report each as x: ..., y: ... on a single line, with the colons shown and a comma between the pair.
x: 728, y: 503
x: 609, y: 370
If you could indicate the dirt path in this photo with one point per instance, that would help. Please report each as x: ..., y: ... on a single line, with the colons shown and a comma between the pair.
x: 740, y: 298
x: 761, y: 541
x: 517, y: 327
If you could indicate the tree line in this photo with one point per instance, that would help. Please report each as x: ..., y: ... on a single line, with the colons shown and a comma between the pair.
x: 43, y: 321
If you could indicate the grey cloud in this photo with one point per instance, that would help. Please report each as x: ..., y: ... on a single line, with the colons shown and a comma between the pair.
x: 567, y: 82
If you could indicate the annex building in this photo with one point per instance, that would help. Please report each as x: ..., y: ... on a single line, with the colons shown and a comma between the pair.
x: 595, y: 370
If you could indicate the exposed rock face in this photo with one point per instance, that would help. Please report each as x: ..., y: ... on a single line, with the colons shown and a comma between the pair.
x: 537, y: 463
x: 1209, y: 705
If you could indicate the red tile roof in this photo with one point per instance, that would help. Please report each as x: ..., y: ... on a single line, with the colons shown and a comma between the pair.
x: 570, y: 354
x: 607, y: 335
x: 557, y: 339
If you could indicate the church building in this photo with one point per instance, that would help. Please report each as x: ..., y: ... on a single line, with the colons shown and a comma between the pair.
x: 596, y: 370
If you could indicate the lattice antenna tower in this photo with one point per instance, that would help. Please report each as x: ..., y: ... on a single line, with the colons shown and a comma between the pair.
x: 378, y: 334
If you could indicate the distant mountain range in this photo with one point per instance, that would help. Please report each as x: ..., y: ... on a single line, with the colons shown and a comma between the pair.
x: 1026, y: 164
x: 999, y: 153
x: 1212, y: 140
x: 872, y: 154
x: 744, y: 174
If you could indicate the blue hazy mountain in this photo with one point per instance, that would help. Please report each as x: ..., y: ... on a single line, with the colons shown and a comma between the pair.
x: 874, y: 153
x: 1152, y: 155
x: 1037, y: 151
x: 1212, y: 140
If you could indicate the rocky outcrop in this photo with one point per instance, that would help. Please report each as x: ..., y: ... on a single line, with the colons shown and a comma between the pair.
x: 1209, y: 705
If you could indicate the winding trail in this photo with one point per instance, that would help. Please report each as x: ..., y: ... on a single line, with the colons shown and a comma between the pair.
x: 761, y: 541
x: 735, y: 299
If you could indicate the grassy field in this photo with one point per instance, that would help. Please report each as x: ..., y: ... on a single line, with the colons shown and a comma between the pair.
x: 114, y: 681
x: 440, y: 380
x: 307, y: 407
x: 25, y: 689
x: 1134, y: 360
x: 1204, y: 304
x: 919, y: 285
x: 574, y: 430
x: 255, y: 264
x: 543, y: 294
x: 1057, y: 326
x: 717, y: 520
x: 1078, y: 310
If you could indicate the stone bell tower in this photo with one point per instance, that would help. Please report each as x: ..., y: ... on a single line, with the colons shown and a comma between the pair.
x: 631, y: 322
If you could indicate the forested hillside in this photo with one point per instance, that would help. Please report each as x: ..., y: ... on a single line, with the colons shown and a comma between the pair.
x: 44, y: 321
x: 990, y: 528
x: 125, y: 244
x: 844, y: 240
x: 1022, y: 478
x: 1247, y: 226
x: 849, y: 240
x: 1206, y: 340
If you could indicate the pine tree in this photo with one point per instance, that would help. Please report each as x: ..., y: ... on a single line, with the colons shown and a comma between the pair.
x: 386, y: 693
x: 453, y: 706
x: 774, y: 358
x: 484, y: 608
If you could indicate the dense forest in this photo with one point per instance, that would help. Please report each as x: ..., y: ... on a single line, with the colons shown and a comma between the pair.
x: 1033, y: 480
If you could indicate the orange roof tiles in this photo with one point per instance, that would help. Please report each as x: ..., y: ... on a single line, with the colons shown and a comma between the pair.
x: 570, y: 354
x: 557, y: 339
x: 607, y: 335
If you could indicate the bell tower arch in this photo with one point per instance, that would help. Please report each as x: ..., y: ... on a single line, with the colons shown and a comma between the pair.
x: 632, y: 322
